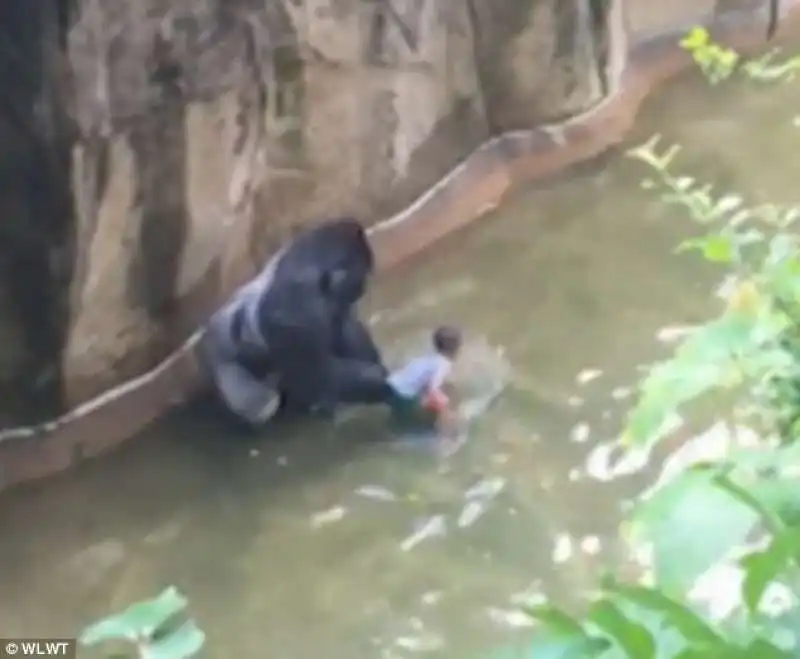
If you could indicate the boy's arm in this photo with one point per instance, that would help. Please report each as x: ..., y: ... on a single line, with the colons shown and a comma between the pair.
x: 439, y: 379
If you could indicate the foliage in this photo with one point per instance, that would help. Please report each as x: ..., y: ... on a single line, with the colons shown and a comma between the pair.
x: 157, y: 628
x: 719, y: 63
x: 708, y: 517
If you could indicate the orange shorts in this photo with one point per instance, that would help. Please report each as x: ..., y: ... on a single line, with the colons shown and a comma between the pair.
x: 435, y: 401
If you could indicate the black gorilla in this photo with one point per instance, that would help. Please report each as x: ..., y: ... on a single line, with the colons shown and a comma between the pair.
x: 291, y: 338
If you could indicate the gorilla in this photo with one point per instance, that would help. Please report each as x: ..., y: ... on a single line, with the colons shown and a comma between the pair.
x: 290, y: 338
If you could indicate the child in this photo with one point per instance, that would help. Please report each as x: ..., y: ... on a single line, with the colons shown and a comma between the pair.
x: 417, y: 386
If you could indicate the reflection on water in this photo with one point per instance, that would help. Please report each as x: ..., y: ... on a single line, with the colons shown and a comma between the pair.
x: 391, y: 553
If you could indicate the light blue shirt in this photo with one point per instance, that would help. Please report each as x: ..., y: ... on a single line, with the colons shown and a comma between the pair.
x: 419, y: 375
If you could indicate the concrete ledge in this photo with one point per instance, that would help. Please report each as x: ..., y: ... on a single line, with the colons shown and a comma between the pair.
x: 466, y: 193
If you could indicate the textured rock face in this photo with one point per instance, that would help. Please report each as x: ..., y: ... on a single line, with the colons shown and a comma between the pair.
x: 166, y: 146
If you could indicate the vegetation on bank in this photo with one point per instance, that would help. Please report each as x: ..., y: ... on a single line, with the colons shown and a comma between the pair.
x: 738, y: 516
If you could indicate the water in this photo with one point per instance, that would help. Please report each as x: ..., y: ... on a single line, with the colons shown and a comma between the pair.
x: 325, y: 541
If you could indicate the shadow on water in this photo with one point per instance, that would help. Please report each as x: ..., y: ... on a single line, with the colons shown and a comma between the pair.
x: 572, y: 281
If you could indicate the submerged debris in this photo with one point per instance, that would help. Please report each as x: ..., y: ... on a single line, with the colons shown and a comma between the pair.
x: 420, y: 643
x: 472, y: 512
x: 434, y: 526
x: 674, y: 333
x: 621, y: 393
x: 562, y: 549
x: 580, y: 433
x: 531, y: 596
x: 432, y: 597
x: 486, y: 488
x: 376, y: 493
x: 509, y: 618
x: 478, y: 498
x: 591, y: 545
x: 329, y: 516
x: 609, y: 461
x: 587, y: 375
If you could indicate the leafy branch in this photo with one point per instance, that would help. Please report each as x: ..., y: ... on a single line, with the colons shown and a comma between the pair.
x: 706, y: 516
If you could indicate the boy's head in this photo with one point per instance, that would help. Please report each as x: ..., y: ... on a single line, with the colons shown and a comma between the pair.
x: 447, y: 341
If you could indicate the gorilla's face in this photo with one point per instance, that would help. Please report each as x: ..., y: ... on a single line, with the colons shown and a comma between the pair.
x: 346, y: 285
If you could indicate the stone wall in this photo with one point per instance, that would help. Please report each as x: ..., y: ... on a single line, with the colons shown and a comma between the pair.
x: 156, y: 151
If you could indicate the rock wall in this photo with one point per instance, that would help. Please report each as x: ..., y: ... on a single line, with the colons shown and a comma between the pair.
x: 155, y: 151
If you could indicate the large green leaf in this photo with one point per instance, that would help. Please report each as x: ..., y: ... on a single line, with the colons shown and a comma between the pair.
x: 746, y: 495
x: 182, y: 643
x: 759, y: 649
x: 763, y: 649
x: 692, y: 524
x: 763, y: 567
x: 673, y: 614
x: 781, y: 495
x: 719, y: 339
x: 632, y: 638
x: 555, y: 620
x: 138, y: 621
x: 562, y: 637
x: 706, y: 361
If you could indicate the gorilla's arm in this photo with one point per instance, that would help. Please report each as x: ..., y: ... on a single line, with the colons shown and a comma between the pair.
x: 355, y: 342
x: 296, y: 324
x: 360, y: 382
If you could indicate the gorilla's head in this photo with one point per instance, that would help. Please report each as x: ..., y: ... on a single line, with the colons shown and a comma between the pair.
x: 350, y: 262
x: 345, y: 284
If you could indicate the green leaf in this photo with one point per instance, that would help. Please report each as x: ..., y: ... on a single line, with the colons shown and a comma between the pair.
x: 763, y: 567
x: 138, y: 621
x: 632, y: 638
x: 695, y: 38
x: 707, y: 360
x: 763, y: 649
x: 746, y: 497
x: 186, y: 641
x: 692, y: 524
x: 546, y: 646
x: 780, y: 495
x: 694, y: 629
x: 554, y: 619
x: 716, y: 248
x: 702, y: 653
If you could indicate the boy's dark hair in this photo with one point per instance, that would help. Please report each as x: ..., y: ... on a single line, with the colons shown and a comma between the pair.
x: 447, y: 339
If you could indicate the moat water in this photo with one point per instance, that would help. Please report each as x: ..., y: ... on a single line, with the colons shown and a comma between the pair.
x: 305, y: 544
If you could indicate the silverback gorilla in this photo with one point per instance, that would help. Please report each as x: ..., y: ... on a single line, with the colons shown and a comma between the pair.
x: 290, y: 338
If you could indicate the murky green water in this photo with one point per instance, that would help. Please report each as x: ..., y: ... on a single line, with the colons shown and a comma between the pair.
x: 279, y: 553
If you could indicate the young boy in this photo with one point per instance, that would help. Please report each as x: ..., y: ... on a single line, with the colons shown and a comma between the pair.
x: 419, y: 398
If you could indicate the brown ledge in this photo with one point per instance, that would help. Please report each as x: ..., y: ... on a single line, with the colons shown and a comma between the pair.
x: 474, y: 187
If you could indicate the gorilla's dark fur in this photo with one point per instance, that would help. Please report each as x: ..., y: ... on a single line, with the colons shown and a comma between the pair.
x: 292, y: 333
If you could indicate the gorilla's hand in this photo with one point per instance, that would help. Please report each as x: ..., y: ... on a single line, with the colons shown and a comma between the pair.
x: 361, y: 382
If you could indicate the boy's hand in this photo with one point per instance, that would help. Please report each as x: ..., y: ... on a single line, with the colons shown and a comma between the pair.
x: 436, y: 401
